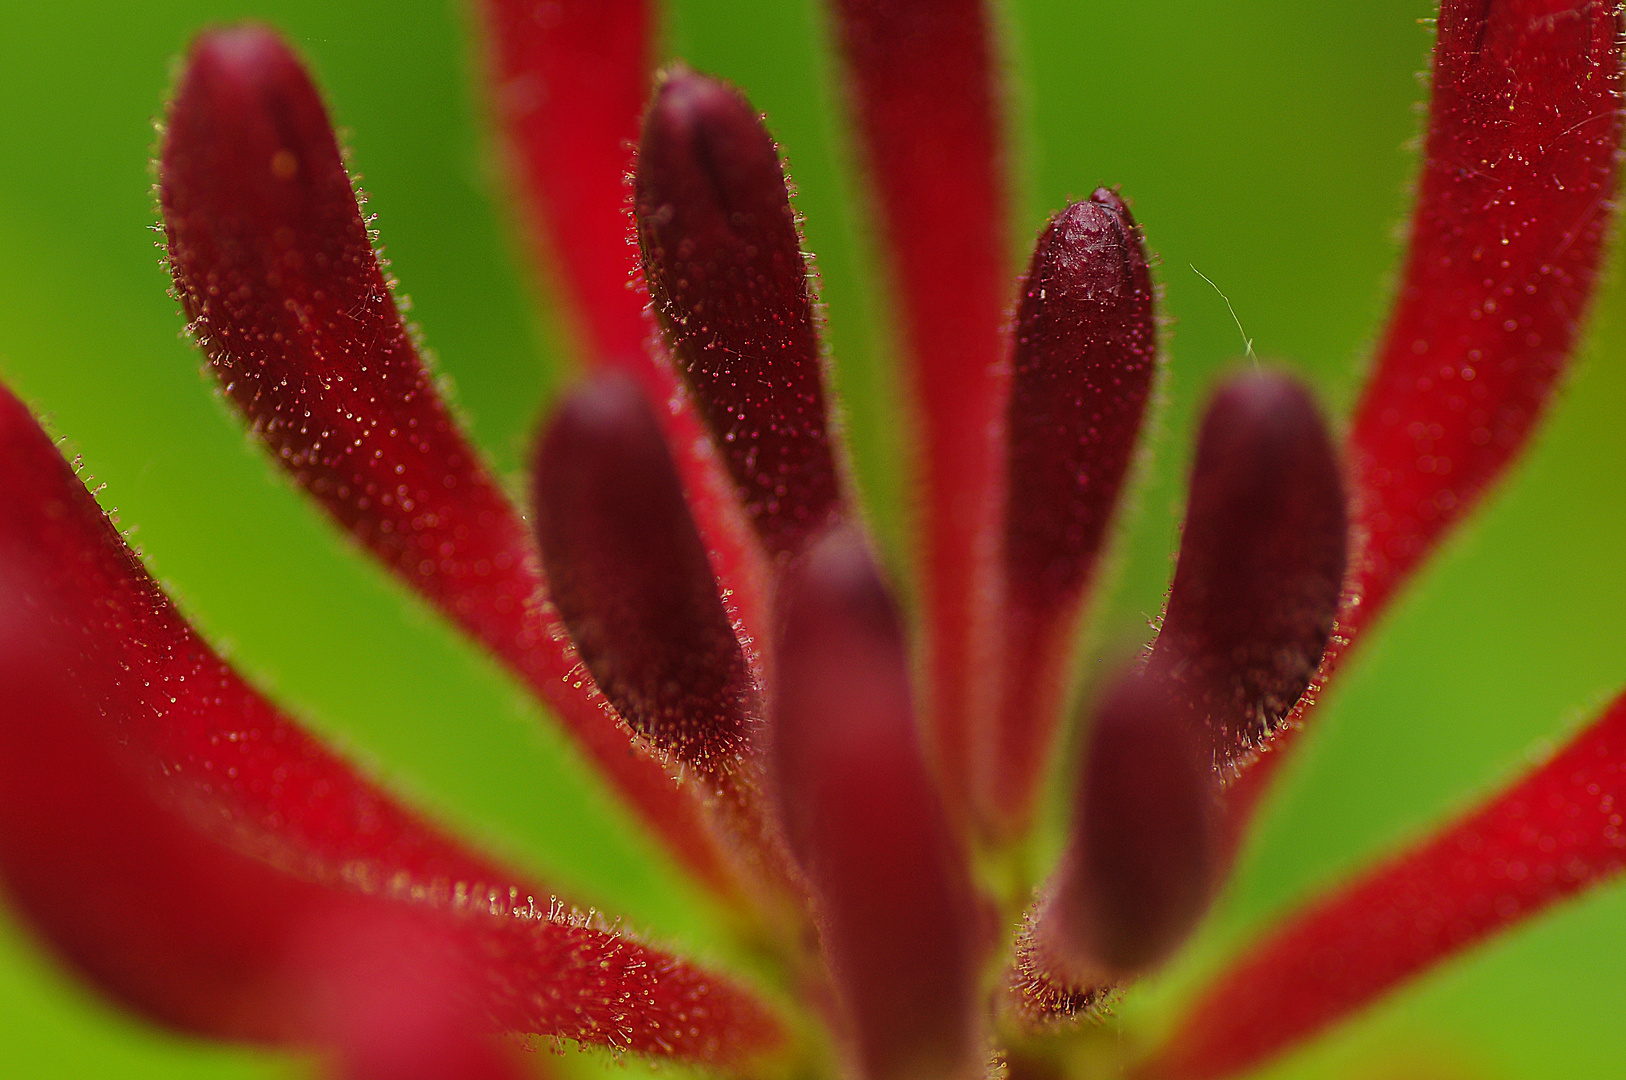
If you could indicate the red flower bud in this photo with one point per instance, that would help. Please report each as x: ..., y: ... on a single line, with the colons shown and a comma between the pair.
x: 1261, y: 563
x: 724, y: 265
x: 629, y: 576
x: 863, y: 819
x: 1084, y: 357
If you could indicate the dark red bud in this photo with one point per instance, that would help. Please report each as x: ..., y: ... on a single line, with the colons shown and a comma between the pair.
x: 1140, y: 864
x: 1084, y: 357
x: 1261, y: 562
x: 864, y: 820
x: 274, y: 266
x: 629, y: 575
x: 724, y: 264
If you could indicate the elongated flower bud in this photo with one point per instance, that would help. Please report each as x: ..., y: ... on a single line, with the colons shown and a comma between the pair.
x: 274, y: 266
x: 629, y: 575
x: 724, y: 265
x: 1139, y: 867
x: 890, y: 885
x: 1261, y: 562
x: 1084, y: 357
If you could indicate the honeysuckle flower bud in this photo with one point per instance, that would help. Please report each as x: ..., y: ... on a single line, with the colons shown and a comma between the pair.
x: 629, y: 575
x: 1261, y: 564
x: 863, y: 819
x: 275, y: 269
x: 1083, y: 359
x: 1141, y: 856
x: 724, y: 264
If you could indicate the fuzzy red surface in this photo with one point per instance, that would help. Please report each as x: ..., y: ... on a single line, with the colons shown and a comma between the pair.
x: 276, y: 270
x: 187, y: 846
x: 723, y: 259
x: 1082, y: 365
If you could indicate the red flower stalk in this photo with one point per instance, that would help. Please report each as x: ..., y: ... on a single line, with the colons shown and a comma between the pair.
x: 696, y: 602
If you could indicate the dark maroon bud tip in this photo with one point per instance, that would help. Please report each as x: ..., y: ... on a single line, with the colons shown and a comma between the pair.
x: 1140, y: 865
x: 1083, y: 363
x: 724, y: 265
x: 1261, y: 562
x: 629, y: 575
x: 890, y: 883
x: 1084, y: 357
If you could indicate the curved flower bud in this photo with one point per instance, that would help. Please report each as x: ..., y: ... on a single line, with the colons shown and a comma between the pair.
x: 274, y: 267
x: 724, y: 265
x: 1141, y: 859
x: 1261, y: 563
x: 1555, y: 833
x: 630, y: 578
x: 889, y: 882
x: 180, y: 841
x: 1514, y: 203
x: 1084, y: 356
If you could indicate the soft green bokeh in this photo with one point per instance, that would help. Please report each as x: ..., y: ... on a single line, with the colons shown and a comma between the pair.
x: 1262, y: 142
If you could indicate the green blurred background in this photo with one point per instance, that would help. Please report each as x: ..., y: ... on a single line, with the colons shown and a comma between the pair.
x: 1263, y: 142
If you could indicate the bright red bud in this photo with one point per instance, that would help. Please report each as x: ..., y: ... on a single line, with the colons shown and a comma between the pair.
x: 1261, y: 563
x: 1084, y: 356
x: 724, y: 264
x: 629, y: 575
x: 275, y: 268
x: 864, y: 821
x: 570, y: 80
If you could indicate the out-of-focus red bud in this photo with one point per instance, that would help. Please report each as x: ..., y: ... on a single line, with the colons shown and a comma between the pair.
x: 863, y: 819
x: 1140, y: 864
x: 628, y: 573
x: 724, y: 265
x: 1084, y: 357
x: 1261, y: 563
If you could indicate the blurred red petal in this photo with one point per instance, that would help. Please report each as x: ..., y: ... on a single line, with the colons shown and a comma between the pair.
x: 927, y: 102
x: 275, y: 268
x: 1084, y: 357
x: 864, y: 821
x: 178, y: 839
x: 630, y: 578
x: 571, y: 78
x: 1261, y: 563
x: 1515, y: 200
x: 1546, y: 838
x: 724, y: 264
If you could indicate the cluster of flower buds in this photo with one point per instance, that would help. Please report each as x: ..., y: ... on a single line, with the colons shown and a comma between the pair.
x: 695, y: 597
